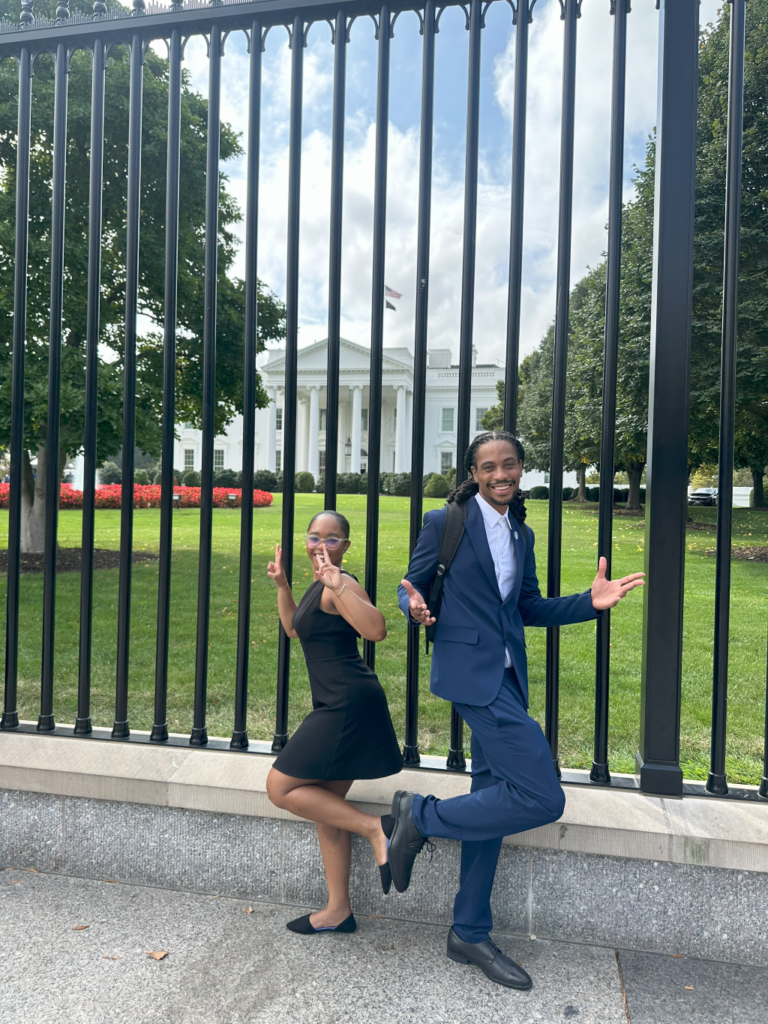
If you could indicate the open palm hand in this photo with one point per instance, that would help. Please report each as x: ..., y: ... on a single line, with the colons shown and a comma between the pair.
x: 607, y: 593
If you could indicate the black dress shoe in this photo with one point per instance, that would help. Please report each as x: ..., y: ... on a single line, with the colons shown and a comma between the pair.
x: 406, y: 841
x: 491, y: 961
x: 303, y: 926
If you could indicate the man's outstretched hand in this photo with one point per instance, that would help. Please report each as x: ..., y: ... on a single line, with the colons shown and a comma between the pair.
x: 608, y: 593
x: 418, y: 606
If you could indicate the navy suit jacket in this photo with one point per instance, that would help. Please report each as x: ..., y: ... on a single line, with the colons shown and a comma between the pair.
x: 475, y: 625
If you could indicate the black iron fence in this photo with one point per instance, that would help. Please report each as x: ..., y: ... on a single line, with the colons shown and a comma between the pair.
x: 658, y: 768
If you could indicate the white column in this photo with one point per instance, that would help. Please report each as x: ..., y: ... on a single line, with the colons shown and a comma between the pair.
x: 301, y: 436
x: 314, y: 431
x: 400, y: 432
x: 408, y: 430
x: 341, y: 464
x: 272, y: 429
x: 357, y: 416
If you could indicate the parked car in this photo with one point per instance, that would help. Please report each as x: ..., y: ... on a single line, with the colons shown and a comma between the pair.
x: 703, y: 496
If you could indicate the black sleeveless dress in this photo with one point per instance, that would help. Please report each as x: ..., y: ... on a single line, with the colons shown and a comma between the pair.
x: 349, y: 735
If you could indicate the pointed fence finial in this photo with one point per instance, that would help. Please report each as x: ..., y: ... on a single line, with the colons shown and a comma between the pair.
x: 26, y: 12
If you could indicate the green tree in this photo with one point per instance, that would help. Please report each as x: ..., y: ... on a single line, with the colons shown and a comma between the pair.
x: 231, y: 291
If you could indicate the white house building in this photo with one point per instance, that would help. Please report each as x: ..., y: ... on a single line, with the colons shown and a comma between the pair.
x: 397, y: 395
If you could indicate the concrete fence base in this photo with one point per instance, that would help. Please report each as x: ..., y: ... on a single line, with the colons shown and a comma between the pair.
x: 620, y: 869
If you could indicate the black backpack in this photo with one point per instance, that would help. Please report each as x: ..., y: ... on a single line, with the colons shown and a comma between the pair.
x: 453, y: 531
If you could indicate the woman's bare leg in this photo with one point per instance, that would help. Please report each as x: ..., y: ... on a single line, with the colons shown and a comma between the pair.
x: 336, y: 848
x: 308, y: 798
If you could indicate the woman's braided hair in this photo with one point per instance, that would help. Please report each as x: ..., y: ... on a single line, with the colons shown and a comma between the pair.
x: 469, y: 488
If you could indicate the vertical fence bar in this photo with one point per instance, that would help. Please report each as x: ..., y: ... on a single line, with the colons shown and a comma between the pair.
x: 666, y: 511
x: 619, y: 8
x: 571, y: 11
x: 173, y: 166
x: 456, y: 760
x: 290, y: 403
x: 239, y: 739
x: 411, y: 745
x: 716, y: 781
x: 121, y: 728
x: 522, y: 17
x: 763, y: 791
x: 46, y: 721
x: 199, y: 735
x: 334, y: 273
x: 377, y: 319
x: 98, y: 84
x: 10, y: 719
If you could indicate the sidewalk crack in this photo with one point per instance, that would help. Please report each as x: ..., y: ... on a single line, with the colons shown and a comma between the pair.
x: 623, y: 988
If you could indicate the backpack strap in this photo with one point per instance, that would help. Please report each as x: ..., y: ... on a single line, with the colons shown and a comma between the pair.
x: 453, y: 531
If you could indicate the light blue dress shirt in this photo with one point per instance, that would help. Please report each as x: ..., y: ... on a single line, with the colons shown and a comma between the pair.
x: 498, y: 530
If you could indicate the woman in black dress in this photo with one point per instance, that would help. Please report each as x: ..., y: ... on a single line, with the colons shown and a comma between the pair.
x: 349, y: 735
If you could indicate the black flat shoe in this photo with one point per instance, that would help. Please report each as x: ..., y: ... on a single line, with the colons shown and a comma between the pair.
x: 303, y: 926
x: 406, y: 841
x: 492, y: 962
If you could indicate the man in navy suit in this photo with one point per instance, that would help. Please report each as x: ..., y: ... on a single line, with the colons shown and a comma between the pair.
x: 479, y: 663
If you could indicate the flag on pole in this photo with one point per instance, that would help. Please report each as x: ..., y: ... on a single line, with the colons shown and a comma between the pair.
x: 392, y: 294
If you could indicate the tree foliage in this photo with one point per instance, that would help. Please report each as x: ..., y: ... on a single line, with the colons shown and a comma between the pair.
x: 585, y: 346
x: 231, y: 291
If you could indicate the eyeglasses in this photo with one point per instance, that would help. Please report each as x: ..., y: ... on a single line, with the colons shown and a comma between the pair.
x: 330, y: 542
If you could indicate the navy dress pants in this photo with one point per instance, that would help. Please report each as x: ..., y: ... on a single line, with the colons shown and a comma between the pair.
x: 514, y: 788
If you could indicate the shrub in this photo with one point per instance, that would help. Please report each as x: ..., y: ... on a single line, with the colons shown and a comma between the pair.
x: 437, y: 487
x: 158, y: 477
x: 265, y: 480
x: 569, y: 492
x: 384, y: 479
x: 141, y: 476
x: 752, y: 498
x: 305, y: 483
x: 146, y: 496
x: 320, y: 484
x: 593, y: 494
x: 348, y: 483
x: 227, y: 478
x: 539, y: 493
x: 427, y: 478
x: 450, y: 476
x: 400, y: 484
x: 362, y: 484
x: 110, y: 473
x: 190, y: 479
x: 279, y: 483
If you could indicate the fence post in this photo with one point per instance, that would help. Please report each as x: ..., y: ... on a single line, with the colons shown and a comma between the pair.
x: 658, y: 760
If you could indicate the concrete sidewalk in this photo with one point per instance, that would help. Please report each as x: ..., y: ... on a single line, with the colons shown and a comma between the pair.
x: 228, y: 966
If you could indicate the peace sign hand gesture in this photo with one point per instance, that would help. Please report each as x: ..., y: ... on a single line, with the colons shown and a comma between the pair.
x: 275, y: 569
x: 325, y: 571
x: 607, y: 593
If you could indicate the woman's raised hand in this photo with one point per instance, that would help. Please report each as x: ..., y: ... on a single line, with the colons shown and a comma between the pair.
x: 275, y: 569
x: 325, y: 571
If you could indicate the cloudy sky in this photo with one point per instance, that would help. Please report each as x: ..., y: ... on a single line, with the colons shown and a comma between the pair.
x: 594, y: 52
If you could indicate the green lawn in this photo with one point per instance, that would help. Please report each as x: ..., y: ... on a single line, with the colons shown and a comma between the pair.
x: 749, y: 619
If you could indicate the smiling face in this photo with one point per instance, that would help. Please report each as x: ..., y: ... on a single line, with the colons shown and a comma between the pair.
x: 497, y: 473
x: 328, y: 530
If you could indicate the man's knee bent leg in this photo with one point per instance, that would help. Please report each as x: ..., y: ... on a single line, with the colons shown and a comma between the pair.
x: 553, y: 803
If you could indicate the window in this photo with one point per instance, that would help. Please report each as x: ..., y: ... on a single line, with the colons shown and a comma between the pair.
x: 278, y: 419
x: 278, y: 461
x: 322, y: 458
x: 446, y: 458
x: 447, y: 420
x: 218, y: 459
x: 546, y: 478
x: 323, y: 419
x: 363, y: 419
x: 479, y: 413
x: 189, y: 458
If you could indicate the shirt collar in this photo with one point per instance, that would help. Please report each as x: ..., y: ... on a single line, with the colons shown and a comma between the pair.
x: 491, y: 517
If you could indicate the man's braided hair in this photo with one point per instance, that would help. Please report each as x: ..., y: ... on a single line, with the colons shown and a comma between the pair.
x: 469, y: 488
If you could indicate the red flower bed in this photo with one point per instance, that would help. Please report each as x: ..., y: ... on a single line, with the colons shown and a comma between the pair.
x: 147, y: 496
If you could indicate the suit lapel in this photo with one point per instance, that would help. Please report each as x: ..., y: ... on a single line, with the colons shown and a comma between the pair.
x: 518, y: 546
x: 475, y: 528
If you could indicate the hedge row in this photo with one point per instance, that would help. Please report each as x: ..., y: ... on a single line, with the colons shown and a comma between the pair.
x: 620, y: 494
x: 146, y: 496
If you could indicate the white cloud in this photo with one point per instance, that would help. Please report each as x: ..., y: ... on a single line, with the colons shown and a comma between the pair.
x: 594, y: 57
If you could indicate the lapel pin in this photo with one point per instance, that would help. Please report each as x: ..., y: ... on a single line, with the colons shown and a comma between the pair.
x: 515, y: 534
